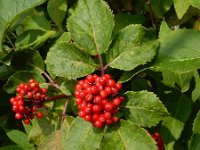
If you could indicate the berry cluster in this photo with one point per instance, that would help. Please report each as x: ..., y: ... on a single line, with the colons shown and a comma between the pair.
x: 159, y: 141
x: 29, y: 99
x: 98, y: 100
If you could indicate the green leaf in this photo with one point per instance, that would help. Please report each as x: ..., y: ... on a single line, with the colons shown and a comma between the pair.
x: 57, y: 10
x: 144, y: 108
x: 133, y: 46
x: 40, y: 130
x: 124, y: 19
x: 52, y: 142
x: 195, y: 92
x: 66, y: 60
x: 5, y: 71
x: 164, y: 30
x: 15, y: 8
x: 91, y: 26
x: 195, y: 144
x: 160, y: 7
x: 179, y: 57
x: 65, y: 37
x: 27, y: 60
x: 82, y: 136
x: 35, y: 20
x: 20, y: 138
x: 68, y: 87
x: 32, y: 39
x: 11, y: 147
x: 181, y: 7
x: 181, y: 79
x: 173, y: 125
x: 196, y: 125
x: 19, y: 77
x: 127, y: 136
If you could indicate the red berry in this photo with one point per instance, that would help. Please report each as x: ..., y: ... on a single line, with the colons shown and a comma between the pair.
x: 18, y: 116
x: 26, y: 121
x: 82, y: 114
x: 108, y: 107
x: 96, y: 108
x: 107, y: 115
x: 88, y: 118
x: 39, y: 115
x: 98, y: 124
x: 118, y: 86
x: 116, y: 102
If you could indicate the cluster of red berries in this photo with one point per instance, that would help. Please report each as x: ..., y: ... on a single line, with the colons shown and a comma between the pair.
x: 98, y: 100
x: 159, y: 141
x: 29, y: 99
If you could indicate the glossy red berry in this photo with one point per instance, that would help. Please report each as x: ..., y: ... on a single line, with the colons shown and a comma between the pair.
x: 39, y: 115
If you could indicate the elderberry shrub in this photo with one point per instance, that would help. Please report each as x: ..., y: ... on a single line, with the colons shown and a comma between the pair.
x: 29, y: 99
x: 98, y: 99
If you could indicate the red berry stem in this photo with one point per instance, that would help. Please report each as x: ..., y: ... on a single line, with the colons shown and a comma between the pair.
x: 52, y: 82
x: 57, y: 97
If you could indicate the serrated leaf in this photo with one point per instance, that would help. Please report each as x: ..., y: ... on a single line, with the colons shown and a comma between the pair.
x: 57, y: 10
x: 173, y: 125
x: 127, y: 136
x: 195, y: 92
x: 20, y: 138
x: 144, y: 108
x: 15, y: 10
x: 91, y: 26
x: 27, y: 60
x: 66, y: 60
x: 82, y: 136
x: 164, y: 30
x: 133, y: 46
x: 160, y: 7
x: 40, y: 130
x: 19, y: 77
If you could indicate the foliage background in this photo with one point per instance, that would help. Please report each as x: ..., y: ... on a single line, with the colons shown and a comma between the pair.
x: 152, y: 47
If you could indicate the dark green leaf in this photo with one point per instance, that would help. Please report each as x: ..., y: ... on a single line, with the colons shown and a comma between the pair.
x: 19, y: 77
x: 91, y: 26
x: 160, y: 7
x: 127, y: 136
x: 173, y: 125
x: 15, y: 8
x: 68, y: 87
x: 82, y: 136
x: 123, y: 19
x: 144, y: 108
x: 195, y: 144
x: 57, y: 10
x: 20, y: 138
x: 196, y: 125
x: 27, y: 60
x: 133, y: 46
x: 66, y: 60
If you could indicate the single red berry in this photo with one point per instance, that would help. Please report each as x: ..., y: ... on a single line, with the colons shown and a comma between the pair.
x: 98, y: 124
x: 115, y: 119
x: 96, y: 108
x: 111, y: 83
x: 109, y: 121
x: 18, y: 116
x: 31, y: 81
x: 116, y: 102
x: 107, y: 115
x: 26, y: 121
x: 88, y: 110
x: 108, y: 107
x: 103, y: 94
x: 97, y: 100
x: 39, y: 115
x: 88, y: 117
x: 95, y: 117
x: 82, y: 114
x: 118, y: 86
x: 90, y: 78
x: 30, y: 94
